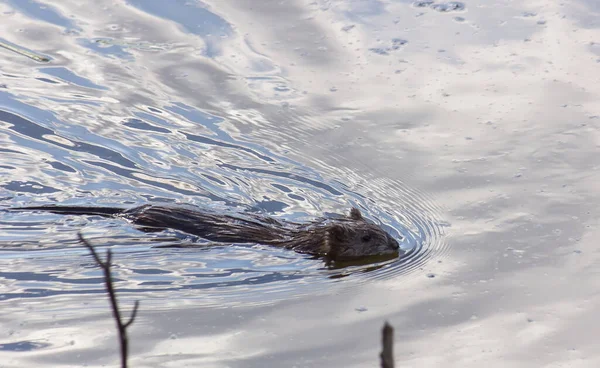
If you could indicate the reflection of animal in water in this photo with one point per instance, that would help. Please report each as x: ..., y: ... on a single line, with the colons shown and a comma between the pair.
x: 336, y: 238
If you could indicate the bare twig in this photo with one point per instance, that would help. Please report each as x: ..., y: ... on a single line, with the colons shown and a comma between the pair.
x: 121, y: 327
x: 387, y: 340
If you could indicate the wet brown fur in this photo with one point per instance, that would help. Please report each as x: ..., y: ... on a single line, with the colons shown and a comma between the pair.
x: 339, y: 238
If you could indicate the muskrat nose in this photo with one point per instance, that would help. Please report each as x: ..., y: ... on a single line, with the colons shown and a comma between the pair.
x: 393, y: 243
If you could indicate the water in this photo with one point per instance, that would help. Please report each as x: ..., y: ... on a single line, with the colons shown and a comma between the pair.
x: 468, y: 128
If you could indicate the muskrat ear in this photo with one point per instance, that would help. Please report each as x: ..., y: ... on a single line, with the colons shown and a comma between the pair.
x: 355, y: 214
x: 336, y: 234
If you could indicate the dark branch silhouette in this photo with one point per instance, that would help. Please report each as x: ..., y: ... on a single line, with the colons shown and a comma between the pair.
x: 387, y: 340
x: 121, y: 327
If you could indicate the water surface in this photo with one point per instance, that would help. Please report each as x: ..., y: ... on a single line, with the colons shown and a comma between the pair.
x: 468, y: 128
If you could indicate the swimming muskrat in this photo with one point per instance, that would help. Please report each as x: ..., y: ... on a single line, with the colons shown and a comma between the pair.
x: 347, y: 237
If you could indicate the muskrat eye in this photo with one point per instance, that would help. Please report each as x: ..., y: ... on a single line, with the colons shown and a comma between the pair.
x: 366, y: 238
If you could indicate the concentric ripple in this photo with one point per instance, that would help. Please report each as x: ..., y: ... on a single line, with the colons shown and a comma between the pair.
x: 215, y: 276
x: 405, y: 213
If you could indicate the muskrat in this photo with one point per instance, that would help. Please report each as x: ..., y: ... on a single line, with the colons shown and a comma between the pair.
x: 347, y: 237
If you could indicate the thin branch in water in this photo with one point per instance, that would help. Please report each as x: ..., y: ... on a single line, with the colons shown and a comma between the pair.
x: 121, y: 327
x: 387, y: 340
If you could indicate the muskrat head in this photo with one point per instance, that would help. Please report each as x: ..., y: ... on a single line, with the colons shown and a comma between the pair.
x: 356, y: 237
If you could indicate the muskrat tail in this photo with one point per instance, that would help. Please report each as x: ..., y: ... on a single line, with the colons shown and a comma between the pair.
x: 74, y: 210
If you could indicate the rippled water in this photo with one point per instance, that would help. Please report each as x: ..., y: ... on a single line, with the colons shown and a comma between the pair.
x: 95, y: 150
x: 469, y: 129
x: 235, y: 174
